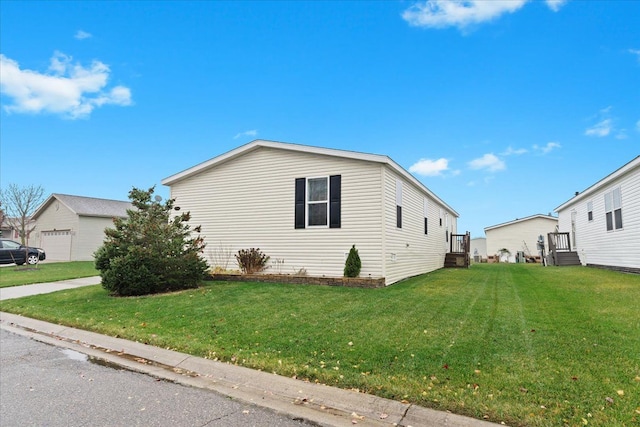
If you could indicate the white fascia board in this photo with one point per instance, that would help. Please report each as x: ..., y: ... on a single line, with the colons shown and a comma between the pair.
x: 515, y: 221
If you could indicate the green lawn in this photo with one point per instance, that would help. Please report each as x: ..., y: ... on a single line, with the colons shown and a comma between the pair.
x: 523, y: 344
x: 46, y: 272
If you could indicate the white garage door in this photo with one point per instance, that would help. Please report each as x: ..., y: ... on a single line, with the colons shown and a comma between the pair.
x: 57, y: 245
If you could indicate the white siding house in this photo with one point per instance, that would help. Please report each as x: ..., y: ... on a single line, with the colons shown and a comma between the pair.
x: 479, y: 248
x: 306, y: 206
x: 71, y: 228
x: 520, y: 235
x: 604, y: 220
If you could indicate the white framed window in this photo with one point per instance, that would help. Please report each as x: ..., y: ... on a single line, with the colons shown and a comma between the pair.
x: 613, y: 209
x: 590, y: 211
x: 398, y: 204
x: 426, y: 215
x: 318, y: 202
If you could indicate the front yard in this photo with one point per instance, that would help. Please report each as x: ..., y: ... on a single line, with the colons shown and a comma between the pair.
x: 520, y: 344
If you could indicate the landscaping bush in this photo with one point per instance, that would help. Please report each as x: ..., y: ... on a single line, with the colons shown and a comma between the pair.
x: 353, y: 264
x: 150, y: 252
x: 251, y: 260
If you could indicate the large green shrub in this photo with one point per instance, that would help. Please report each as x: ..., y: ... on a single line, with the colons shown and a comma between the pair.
x: 150, y: 251
x: 353, y: 264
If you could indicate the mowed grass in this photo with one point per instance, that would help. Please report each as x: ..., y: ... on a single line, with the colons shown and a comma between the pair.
x: 46, y: 272
x: 521, y: 344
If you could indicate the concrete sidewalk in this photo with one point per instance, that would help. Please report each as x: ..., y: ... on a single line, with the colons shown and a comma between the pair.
x: 45, y: 288
x: 324, y: 405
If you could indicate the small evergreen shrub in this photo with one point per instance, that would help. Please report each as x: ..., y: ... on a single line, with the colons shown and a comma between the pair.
x: 353, y: 264
x: 251, y: 260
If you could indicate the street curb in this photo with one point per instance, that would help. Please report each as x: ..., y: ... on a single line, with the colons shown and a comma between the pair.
x: 316, y: 403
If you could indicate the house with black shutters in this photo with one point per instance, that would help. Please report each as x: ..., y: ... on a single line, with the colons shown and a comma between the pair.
x: 306, y: 206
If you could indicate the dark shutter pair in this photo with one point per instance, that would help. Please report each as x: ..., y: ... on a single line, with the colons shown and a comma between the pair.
x: 335, y: 184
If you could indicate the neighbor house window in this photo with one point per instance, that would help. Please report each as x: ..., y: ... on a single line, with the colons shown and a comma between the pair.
x: 317, y: 202
x: 426, y: 216
x: 613, y: 209
x: 590, y: 211
x: 399, y: 204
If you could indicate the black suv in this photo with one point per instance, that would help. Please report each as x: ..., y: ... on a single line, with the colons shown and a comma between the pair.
x: 13, y: 252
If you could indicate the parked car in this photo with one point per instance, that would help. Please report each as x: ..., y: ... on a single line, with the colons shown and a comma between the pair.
x: 13, y: 252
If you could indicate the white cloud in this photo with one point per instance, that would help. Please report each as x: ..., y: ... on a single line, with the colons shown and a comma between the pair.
x: 251, y: 133
x: 489, y: 162
x: 428, y: 167
x: 81, y: 35
x: 555, y: 5
x: 514, y: 151
x: 638, y: 125
x: 600, y: 129
x: 67, y: 89
x: 635, y: 52
x: 547, y: 148
x: 459, y: 13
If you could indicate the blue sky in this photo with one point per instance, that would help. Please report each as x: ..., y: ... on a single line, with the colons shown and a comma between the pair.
x: 502, y: 108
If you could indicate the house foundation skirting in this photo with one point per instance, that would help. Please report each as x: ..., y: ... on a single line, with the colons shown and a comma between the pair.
x: 633, y: 270
x: 351, y: 282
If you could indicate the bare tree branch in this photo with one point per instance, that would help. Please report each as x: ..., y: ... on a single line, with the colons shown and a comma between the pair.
x: 19, y: 205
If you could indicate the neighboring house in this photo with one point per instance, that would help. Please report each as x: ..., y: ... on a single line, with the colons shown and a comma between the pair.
x: 603, y: 221
x: 306, y: 206
x: 71, y: 228
x: 479, y: 249
x: 520, y: 235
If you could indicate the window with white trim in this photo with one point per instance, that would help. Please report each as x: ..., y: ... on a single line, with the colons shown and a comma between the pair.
x: 589, y: 211
x: 426, y: 216
x: 613, y: 209
x: 317, y: 201
x: 398, y: 203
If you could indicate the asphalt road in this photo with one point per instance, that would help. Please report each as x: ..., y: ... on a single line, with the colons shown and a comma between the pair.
x: 43, y: 385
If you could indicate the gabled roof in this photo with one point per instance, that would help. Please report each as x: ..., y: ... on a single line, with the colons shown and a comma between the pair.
x: 517, y: 220
x: 633, y: 164
x: 88, y: 206
x: 258, y: 143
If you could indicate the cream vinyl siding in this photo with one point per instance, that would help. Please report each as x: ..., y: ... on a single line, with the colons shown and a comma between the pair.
x: 407, y: 250
x: 596, y: 245
x: 56, y: 217
x: 515, y: 234
x: 90, y: 237
x: 248, y: 202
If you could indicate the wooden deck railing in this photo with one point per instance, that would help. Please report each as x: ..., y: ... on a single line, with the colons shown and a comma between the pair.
x: 460, y: 243
x: 559, y: 242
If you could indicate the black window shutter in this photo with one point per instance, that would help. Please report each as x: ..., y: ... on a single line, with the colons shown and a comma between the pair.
x: 300, y: 201
x: 426, y: 228
x: 399, y: 216
x: 335, y: 191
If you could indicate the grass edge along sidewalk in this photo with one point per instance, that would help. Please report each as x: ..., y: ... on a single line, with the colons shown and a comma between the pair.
x: 519, y: 344
x: 45, y: 273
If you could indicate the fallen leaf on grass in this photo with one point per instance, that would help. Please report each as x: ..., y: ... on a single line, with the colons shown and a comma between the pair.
x: 609, y: 400
x: 620, y: 392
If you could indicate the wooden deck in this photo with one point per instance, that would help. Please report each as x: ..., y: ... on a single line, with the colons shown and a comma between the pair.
x: 459, y: 248
x: 560, y: 253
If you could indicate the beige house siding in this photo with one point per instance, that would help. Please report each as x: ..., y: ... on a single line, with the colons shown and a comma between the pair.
x: 56, y: 217
x: 593, y: 243
x: 249, y: 202
x: 519, y: 235
x: 90, y: 237
x: 246, y: 198
x: 408, y: 251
